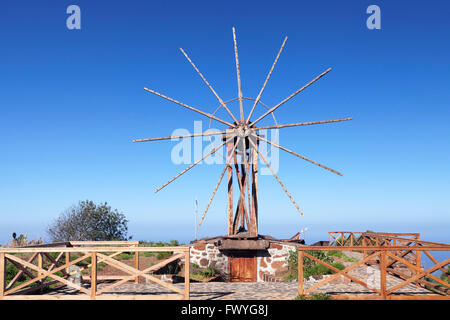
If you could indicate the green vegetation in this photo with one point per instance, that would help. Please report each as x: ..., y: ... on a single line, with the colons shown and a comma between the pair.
x: 446, y: 277
x: 340, y: 254
x: 314, y: 296
x: 310, y: 267
x: 88, y: 221
x: 159, y: 255
x: 209, y: 272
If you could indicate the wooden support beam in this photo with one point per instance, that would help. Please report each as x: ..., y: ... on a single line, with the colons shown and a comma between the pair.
x: 187, y: 275
x: 230, y: 199
x: 254, y: 193
x: 2, y: 274
x: 383, y: 274
x: 300, y: 272
x: 67, y: 256
x: 228, y: 244
x: 93, y: 275
x: 136, y: 263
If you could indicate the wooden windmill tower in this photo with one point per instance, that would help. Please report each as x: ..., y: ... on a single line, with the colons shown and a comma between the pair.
x: 241, y: 138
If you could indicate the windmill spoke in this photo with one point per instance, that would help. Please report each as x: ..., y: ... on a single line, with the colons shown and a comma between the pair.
x: 190, y: 167
x: 298, y: 155
x: 189, y: 107
x: 209, y: 86
x: 267, y: 79
x: 279, y: 126
x: 201, y: 134
x: 213, y: 194
x: 291, y: 96
x: 276, y: 177
x: 238, y: 72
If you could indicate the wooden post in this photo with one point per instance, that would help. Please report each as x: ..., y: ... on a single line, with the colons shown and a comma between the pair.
x: 300, y: 272
x: 418, y: 255
x: 230, y: 200
x: 383, y: 274
x: 67, y: 260
x: 93, y: 275
x: 254, y: 158
x: 2, y: 274
x: 363, y: 243
x: 187, y: 274
x: 39, y: 264
x: 136, y: 262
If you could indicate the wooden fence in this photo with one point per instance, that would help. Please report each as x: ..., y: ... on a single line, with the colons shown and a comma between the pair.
x: 49, y: 265
x: 388, y: 254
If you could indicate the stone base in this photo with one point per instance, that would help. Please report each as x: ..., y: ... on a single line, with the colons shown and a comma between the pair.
x: 269, y: 262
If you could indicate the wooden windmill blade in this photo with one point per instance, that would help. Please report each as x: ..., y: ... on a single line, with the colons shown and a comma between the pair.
x: 291, y: 96
x: 276, y: 177
x: 201, y: 134
x: 212, y: 196
x: 209, y: 86
x: 217, y: 186
x: 189, y: 107
x: 190, y: 167
x: 238, y: 73
x: 298, y: 124
x: 267, y: 80
x: 243, y: 137
x: 298, y: 155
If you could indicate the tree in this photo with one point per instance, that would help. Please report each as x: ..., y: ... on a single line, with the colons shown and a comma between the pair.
x: 87, y: 221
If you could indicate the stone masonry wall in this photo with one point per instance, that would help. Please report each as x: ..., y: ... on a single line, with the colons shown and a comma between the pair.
x: 207, y: 254
x: 273, y: 260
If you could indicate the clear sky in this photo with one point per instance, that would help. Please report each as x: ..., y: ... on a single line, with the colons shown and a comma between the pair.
x: 71, y: 101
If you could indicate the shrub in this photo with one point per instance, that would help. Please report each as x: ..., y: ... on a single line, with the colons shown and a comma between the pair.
x: 88, y: 221
x: 315, y: 296
x: 310, y: 267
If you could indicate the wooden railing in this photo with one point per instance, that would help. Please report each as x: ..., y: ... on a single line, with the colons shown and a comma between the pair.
x: 385, y: 256
x: 349, y: 238
x: 49, y: 265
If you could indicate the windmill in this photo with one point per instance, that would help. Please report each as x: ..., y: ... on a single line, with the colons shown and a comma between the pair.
x: 241, y: 138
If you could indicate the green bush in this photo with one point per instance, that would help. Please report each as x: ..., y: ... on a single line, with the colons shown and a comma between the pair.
x: 11, y: 272
x: 446, y: 277
x: 310, y: 267
x: 340, y: 254
x: 315, y: 296
x: 163, y: 255
x: 210, y: 271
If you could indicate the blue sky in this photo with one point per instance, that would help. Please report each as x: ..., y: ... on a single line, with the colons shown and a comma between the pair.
x: 71, y: 101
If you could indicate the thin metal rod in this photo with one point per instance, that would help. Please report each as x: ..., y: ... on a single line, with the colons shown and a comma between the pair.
x: 291, y: 96
x: 279, y: 126
x: 238, y: 72
x: 189, y: 107
x: 209, y: 86
x: 201, y: 134
x: 190, y: 167
x: 213, y: 194
x: 298, y: 155
x: 267, y: 79
x: 276, y: 177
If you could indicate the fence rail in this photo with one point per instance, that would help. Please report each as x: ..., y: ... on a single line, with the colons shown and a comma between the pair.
x: 45, y: 265
x: 387, y: 257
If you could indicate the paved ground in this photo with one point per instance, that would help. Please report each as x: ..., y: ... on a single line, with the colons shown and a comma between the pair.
x: 262, y: 290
